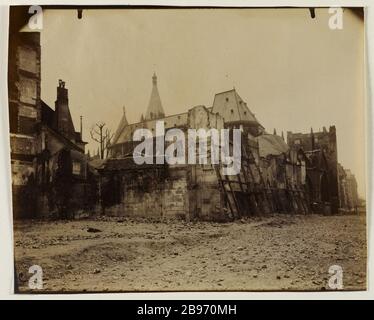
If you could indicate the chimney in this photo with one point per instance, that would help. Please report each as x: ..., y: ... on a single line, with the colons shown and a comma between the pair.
x: 81, y: 128
x: 63, y: 122
x: 62, y: 92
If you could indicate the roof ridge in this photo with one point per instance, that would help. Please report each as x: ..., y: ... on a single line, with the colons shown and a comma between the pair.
x: 121, y: 127
x: 237, y: 104
x: 233, y: 89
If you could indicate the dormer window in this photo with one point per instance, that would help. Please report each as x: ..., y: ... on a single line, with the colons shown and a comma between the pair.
x: 232, y: 111
x: 227, y: 99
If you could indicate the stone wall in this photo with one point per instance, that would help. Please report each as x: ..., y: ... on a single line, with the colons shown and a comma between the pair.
x: 201, y: 191
x: 148, y: 195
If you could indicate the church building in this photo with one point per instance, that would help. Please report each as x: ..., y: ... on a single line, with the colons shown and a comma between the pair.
x: 270, y: 180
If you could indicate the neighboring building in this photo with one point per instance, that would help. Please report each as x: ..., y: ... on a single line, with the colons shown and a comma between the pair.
x: 24, y: 117
x: 47, y: 155
x: 329, y: 184
x: 321, y: 148
x: 62, y: 163
x: 349, y: 200
x: 351, y: 191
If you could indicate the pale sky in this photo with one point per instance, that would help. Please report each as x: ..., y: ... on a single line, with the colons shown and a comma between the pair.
x: 293, y: 71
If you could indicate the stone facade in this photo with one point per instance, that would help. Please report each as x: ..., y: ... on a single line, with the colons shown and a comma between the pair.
x: 24, y: 115
x: 162, y: 191
x: 324, y: 179
x: 349, y: 200
x: 271, y: 179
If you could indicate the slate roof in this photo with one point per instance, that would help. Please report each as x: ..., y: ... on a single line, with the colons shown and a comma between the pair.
x: 232, y: 107
x: 174, y: 121
x: 121, y: 126
x: 49, y: 120
x: 48, y: 115
x: 155, y: 109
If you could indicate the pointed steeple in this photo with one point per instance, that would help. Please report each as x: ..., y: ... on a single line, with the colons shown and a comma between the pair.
x: 122, y: 124
x: 154, y: 110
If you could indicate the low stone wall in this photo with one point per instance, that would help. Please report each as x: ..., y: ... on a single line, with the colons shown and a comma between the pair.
x: 161, y: 199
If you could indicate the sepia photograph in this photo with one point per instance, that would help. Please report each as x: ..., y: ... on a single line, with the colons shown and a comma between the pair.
x: 182, y: 149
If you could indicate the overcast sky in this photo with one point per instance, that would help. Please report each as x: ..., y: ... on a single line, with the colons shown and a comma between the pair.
x: 293, y: 71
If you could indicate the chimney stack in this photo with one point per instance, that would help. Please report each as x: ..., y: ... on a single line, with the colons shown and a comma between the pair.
x: 62, y: 92
x: 81, y: 128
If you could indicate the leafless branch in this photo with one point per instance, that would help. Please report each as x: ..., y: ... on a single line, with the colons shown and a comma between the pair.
x: 101, y: 135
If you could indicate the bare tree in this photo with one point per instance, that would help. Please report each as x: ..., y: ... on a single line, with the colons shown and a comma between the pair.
x: 103, y: 136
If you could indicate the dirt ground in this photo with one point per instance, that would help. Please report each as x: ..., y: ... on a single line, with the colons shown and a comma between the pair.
x: 279, y: 252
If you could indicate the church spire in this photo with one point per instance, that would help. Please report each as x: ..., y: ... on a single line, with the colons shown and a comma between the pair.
x: 155, y: 109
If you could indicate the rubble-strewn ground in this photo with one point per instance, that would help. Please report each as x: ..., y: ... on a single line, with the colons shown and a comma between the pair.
x: 279, y: 252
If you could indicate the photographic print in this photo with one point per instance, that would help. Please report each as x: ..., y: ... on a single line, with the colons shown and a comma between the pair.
x: 169, y: 149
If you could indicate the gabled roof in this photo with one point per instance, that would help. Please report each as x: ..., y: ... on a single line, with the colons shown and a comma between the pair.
x: 48, y: 115
x: 155, y: 109
x: 49, y: 120
x: 232, y: 107
x: 174, y: 121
